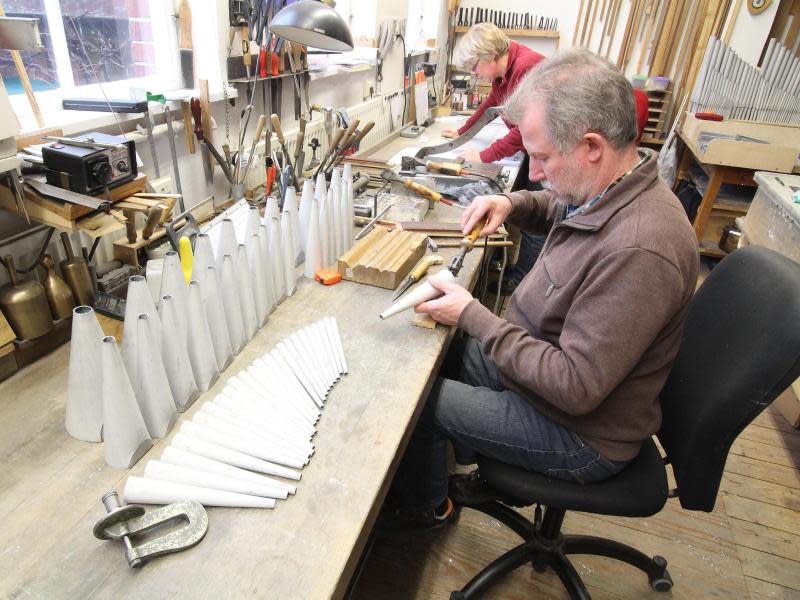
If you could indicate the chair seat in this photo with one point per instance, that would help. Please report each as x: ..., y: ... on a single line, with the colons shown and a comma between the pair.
x: 640, y: 490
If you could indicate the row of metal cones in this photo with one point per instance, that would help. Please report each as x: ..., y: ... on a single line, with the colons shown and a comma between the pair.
x: 259, y: 427
x: 175, y: 348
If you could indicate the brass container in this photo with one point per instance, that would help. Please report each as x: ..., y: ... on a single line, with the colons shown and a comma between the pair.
x: 59, y: 296
x: 25, y: 306
x: 76, y: 274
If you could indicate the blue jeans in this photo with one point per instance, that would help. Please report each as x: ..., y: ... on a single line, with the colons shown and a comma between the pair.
x: 470, y: 407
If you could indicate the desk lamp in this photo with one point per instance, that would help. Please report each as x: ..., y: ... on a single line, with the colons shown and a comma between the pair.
x: 313, y: 23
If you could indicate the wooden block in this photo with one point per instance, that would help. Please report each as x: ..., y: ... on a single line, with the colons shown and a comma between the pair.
x: 128, y: 252
x: 8, y: 362
x: 383, y: 258
x: 424, y: 321
x: 27, y: 351
x: 6, y: 333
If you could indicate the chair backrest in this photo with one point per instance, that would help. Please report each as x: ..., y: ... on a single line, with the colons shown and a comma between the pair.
x: 740, y: 350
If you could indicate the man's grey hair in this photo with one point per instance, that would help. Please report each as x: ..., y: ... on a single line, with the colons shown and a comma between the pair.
x: 581, y: 93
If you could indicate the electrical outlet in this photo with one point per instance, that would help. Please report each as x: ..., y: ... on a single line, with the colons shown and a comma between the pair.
x: 162, y: 185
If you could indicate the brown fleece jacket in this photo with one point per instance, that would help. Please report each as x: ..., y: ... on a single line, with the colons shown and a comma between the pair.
x: 592, y: 331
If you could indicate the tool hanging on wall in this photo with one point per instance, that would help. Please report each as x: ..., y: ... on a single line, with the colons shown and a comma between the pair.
x: 185, y: 46
x: 276, y: 126
x: 198, y: 131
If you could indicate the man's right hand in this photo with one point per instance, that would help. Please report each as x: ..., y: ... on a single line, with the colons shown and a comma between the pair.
x: 496, y: 208
x: 450, y: 133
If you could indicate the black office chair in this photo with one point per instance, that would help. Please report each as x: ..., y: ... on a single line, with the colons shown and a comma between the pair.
x: 740, y: 349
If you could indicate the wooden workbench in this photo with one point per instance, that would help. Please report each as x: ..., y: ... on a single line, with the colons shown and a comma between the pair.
x: 307, y: 547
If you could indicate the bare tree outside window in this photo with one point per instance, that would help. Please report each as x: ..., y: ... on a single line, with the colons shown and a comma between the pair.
x: 106, y: 40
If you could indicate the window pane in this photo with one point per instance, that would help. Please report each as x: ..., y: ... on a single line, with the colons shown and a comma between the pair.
x: 112, y: 37
x: 39, y: 65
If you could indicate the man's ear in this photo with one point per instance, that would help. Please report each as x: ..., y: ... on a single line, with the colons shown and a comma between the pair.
x: 594, y: 146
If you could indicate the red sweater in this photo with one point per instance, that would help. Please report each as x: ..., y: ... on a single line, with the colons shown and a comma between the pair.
x: 521, y: 59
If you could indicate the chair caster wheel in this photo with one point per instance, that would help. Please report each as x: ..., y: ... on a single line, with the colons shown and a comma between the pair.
x: 662, y: 582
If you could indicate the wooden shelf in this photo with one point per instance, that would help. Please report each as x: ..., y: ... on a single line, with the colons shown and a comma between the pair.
x: 534, y: 33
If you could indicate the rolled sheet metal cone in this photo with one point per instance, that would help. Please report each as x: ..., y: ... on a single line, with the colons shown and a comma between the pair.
x: 84, y: 410
x: 305, y: 211
x: 274, y: 445
x: 175, y: 356
x: 150, y: 382
x: 200, y: 345
x: 325, y: 238
x: 230, y: 300
x: 214, y: 451
x: 153, y: 273
x: 244, y: 445
x: 287, y: 246
x: 422, y: 293
x: 125, y: 435
x: 143, y: 490
x: 347, y: 188
x: 173, y: 284
x: 290, y: 206
x: 266, y: 380
x: 259, y: 279
x: 203, y: 257
x: 247, y: 408
x: 289, y: 385
x: 336, y: 187
x: 227, y: 242
x: 276, y: 257
x: 139, y: 301
x: 215, y: 314
x: 266, y: 266
x: 247, y: 300
x: 271, y: 210
x: 155, y: 469
x: 313, y: 252
x: 320, y: 189
x: 253, y: 222
x: 183, y: 458
x: 334, y: 329
x: 253, y: 427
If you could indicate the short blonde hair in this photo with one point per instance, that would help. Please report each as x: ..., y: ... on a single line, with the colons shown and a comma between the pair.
x: 483, y: 41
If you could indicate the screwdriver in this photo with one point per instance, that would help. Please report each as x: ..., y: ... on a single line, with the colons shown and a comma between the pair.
x: 467, y: 243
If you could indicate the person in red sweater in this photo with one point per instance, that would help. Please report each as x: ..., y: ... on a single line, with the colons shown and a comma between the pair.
x: 487, y: 52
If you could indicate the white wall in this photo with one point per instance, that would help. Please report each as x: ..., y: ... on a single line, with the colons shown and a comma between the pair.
x: 751, y: 32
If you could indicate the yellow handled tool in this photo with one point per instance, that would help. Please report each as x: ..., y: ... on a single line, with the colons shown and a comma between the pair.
x: 417, y: 273
x: 467, y: 243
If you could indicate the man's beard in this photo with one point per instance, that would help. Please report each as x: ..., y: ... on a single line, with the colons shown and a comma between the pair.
x: 572, y: 190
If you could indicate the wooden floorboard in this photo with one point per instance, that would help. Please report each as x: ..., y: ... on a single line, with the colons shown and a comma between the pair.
x: 748, y: 547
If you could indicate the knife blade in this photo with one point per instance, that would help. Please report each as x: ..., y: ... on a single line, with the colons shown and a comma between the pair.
x: 417, y: 273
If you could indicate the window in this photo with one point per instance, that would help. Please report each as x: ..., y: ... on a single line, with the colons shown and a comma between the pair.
x: 92, y: 42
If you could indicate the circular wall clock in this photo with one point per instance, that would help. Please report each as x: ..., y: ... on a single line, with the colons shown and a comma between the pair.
x: 757, y: 6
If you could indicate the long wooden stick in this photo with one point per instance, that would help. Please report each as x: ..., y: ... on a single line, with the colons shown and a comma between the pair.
x: 591, y: 26
x: 586, y: 22
x: 648, y: 31
x: 657, y: 66
x: 612, y: 29
x: 23, y: 77
x: 605, y: 26
x: 662, y: 16
x: 630, y: 34
x: 577, y: 24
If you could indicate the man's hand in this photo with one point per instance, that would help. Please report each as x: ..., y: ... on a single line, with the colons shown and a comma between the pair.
x: 450, y: 133
x: 496, y: 208
x: 448, y: 308
x: 471, y: 156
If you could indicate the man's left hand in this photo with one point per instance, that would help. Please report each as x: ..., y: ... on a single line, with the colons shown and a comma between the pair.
x: 472, y: 156
x: 448, y: 308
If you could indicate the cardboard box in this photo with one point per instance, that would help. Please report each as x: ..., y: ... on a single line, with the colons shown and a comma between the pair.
x: 788, y: 403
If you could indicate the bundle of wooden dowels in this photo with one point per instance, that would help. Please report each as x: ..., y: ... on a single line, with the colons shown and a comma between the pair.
x: 730, y: 87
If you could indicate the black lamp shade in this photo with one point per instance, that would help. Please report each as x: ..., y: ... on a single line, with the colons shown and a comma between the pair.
x: 312, y: 23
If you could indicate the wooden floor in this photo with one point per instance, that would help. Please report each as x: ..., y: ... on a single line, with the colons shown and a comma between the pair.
x: 749, y: 547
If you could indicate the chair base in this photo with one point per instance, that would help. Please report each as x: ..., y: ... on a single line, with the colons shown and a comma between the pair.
x: 545, y: 547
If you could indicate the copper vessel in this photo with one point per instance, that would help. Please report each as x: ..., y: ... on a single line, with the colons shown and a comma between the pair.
x: 76, y: 274
x: 25, y: 306
x: 59, y: 296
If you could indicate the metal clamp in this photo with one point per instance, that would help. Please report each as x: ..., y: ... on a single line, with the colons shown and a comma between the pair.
x: 124, y: 521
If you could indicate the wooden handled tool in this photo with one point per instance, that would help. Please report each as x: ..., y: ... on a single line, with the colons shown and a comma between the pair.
x: 334, y: 143
x: 276, y: 127
x: 416, y: 188
x: 417, y: 273
x: 355, y: 141
x: 466, y: 244
x: 262, y: 121
x: 198, y: 131
x: 130, y: 225
x: 343, y: 144
x: 154, y: 214
x: 187, y: 126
